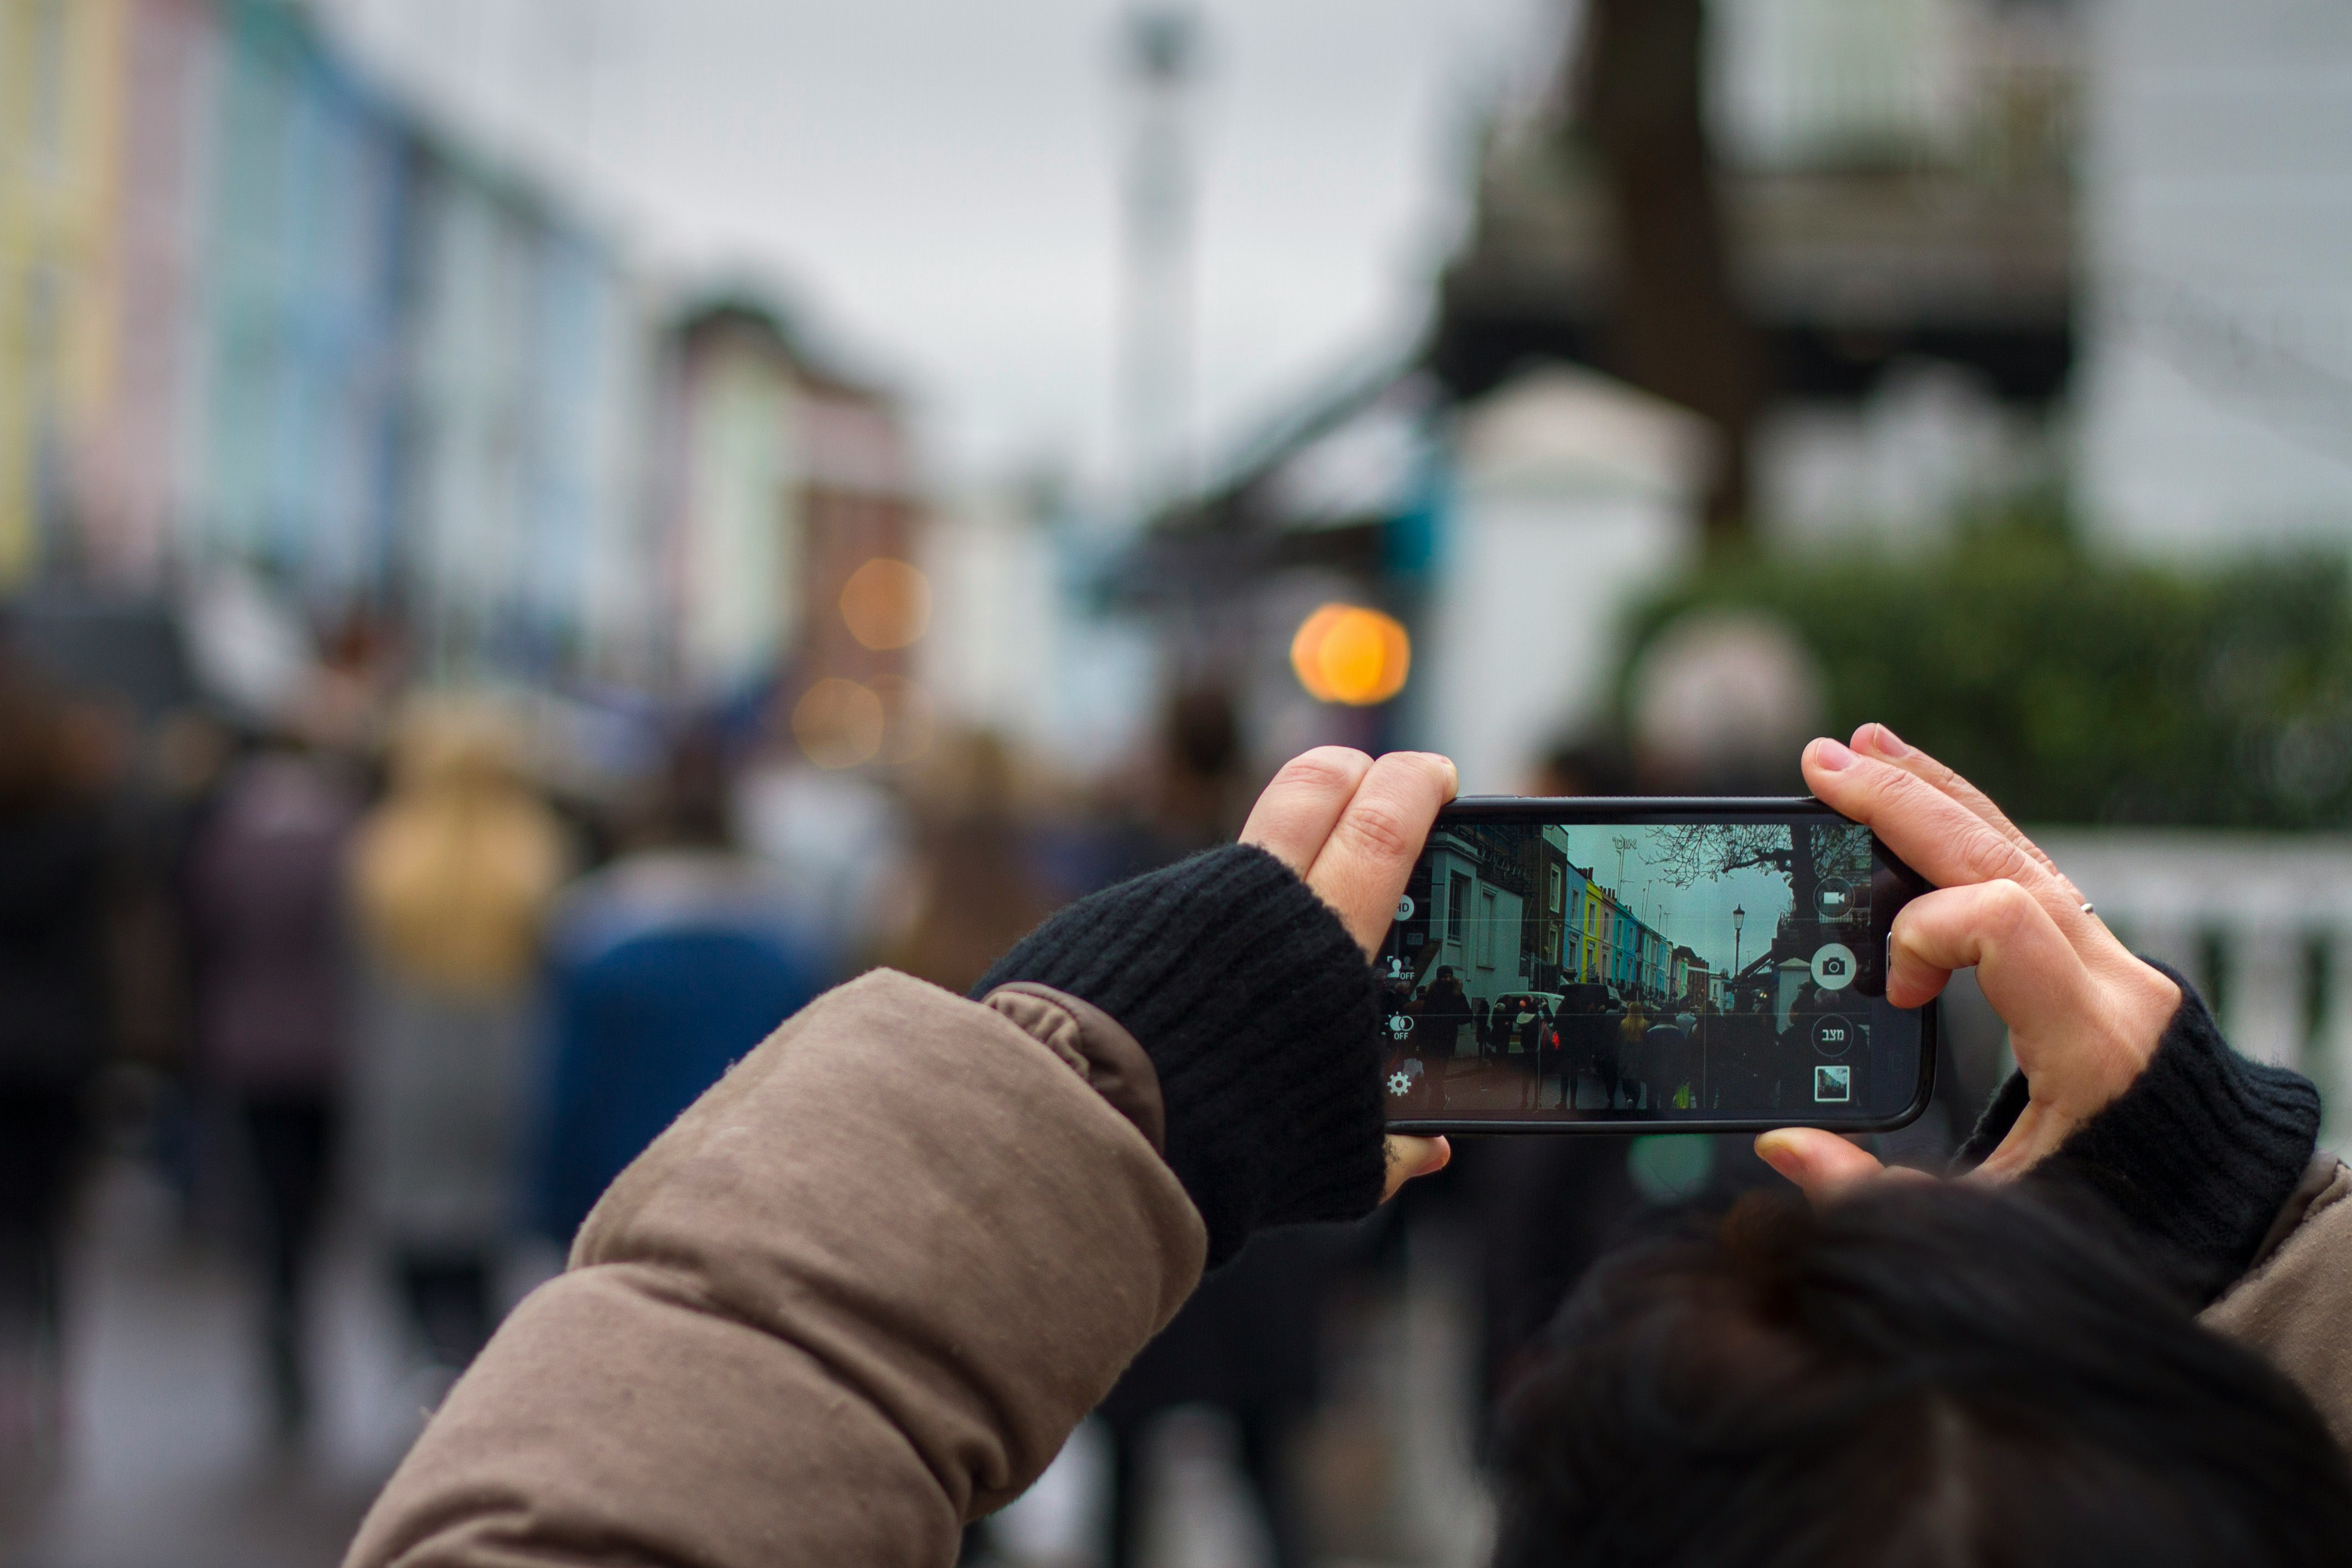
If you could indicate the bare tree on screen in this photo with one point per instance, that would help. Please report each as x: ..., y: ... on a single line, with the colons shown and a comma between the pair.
x: 1686, y: 853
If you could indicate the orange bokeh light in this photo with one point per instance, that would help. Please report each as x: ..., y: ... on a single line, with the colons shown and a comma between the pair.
x: 887, y: 603
x: 1347, y: 654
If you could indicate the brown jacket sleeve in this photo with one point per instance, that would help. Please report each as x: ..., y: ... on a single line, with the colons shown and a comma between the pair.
x: 857, y: 1295
x: 2294, y: 1306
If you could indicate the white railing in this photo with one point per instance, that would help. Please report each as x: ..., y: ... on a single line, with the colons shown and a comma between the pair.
x: 2262, y: 922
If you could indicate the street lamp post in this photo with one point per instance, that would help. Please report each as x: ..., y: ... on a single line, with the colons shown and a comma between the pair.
x: 1739, y: 919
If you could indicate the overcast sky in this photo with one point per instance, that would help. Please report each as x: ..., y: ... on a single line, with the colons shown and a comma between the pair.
x: 934, y: 181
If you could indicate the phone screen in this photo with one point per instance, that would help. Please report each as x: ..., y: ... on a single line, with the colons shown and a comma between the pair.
x: 1559, y: 964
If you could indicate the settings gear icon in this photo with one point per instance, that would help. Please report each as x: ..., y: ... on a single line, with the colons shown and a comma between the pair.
x: 1399, y: 1083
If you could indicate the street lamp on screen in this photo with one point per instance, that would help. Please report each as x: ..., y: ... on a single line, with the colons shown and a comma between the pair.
x: 1739, y: 919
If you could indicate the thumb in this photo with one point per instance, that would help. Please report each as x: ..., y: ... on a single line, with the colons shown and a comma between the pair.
x: 1411, y: 1157
x: 1821, y: 1164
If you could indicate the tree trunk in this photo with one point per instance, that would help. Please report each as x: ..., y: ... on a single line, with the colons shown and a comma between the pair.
x: 1675, y: 327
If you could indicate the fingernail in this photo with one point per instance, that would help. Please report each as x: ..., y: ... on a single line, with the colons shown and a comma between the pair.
x: 1887, y: 743
x: 1831, y: 755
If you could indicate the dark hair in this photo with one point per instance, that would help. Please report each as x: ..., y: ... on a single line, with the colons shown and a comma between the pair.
x: 1929, y: 1376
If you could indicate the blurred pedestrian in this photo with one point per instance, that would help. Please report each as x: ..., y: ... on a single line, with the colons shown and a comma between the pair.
x: 1249, y: 1345
x: 664, y: 968
x: 53, y: 1032
x: 975, y: 892
x: 452, y: 880
x: 264, y: 901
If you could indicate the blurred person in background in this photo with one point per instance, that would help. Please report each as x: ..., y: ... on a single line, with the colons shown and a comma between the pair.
x: 52, y: 1039
x: 838, y: 841
x: 1203, y: 792
x: 451, y: 879
x: 664, y: 967
x: 265, y: 900
x: 975, y: 890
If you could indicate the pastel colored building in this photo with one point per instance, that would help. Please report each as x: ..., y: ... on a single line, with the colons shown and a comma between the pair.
x: 259, y: 318
x: 296, y: 316
x: 60, y: 92
x: 788, y: 516
x: 518, y: 506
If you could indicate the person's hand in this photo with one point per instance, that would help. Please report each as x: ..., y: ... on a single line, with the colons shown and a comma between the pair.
x: 2084, y: 1015
x: 1351, y: 829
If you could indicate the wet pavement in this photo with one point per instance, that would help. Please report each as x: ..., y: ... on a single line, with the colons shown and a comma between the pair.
x: 167, y: 1459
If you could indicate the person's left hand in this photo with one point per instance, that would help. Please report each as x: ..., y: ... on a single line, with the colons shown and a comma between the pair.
x: 2084, y: 1014
x: 1352, y: 827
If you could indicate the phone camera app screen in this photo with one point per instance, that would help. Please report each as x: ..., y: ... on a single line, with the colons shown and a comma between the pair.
x: 1706, y: 971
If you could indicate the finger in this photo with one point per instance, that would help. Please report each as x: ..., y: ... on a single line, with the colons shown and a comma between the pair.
x: 1933, y: 833
x: 1365, y: 863
x: 2030, y: 972
x: 1411, y: 1157
x: 1298, y: 809
x: 1877, y: 740
x: 1821, y: 1164
x: 2080, y: 1038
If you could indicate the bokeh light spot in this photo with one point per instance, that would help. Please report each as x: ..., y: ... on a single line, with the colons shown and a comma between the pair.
x: 838, y: 722
x: 1348, y: 654
x: 887, y: 603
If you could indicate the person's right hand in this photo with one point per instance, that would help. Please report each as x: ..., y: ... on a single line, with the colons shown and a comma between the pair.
x: 1351, y: 829
x: 2084, y: 1014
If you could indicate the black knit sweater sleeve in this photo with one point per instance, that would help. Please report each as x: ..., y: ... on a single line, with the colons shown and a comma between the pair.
x: 2198, y: 1157
x: 1261, y: 1016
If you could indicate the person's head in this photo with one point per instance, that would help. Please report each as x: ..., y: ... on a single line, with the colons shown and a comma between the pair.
x: 445, y: 745
x: 1930, y: 1376
x: 694, y: 808
x: 1595, y: 763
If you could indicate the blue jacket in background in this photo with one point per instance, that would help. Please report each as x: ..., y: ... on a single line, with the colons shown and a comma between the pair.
x: 657, y: 985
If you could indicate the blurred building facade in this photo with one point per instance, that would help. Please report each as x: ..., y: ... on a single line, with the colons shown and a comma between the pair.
x: 260, y: 320
x: 784, y: 479
x: 2219, y: 370
x: 58, y: 186
x: 1896, y: 192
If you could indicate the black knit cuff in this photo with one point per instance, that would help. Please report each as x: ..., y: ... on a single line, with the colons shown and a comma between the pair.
x: 2197, y: 1154
x: 1261, y: 1016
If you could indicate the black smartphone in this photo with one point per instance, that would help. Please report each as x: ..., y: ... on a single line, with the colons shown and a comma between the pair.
x: 1619, y: 965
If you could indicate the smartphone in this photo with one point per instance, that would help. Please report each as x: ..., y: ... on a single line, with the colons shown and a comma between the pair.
x: 1619, y: 965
